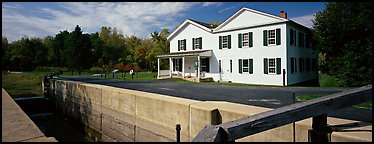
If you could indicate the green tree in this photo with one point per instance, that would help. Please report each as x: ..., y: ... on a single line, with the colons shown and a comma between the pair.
x: 162, y: 47
x: 5, y: 53
x: 59, y: 52
x: 343, y: 36
x: 114, y: 44
x: 40, y: 57
x: 21, y: 55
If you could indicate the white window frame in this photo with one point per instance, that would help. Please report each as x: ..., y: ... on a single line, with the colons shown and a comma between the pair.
x: 181, y: 46
x: 225, y: 43
x: 273, y: 67
x: 245, y: 39
x: 272, y: 38
x: 247, y: 67
x: 196, y: 43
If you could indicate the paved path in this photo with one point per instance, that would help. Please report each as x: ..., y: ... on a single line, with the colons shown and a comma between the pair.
x: 270, y: 97
x: 17, y: 126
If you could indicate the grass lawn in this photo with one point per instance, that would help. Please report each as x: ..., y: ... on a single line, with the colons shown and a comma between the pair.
x: 23, y: 84
x: 365, y: 105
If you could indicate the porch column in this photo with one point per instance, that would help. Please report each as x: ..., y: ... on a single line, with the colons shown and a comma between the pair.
x: 198, y: 68
x: 158, y: 67
x: 182, y: 67
x: 171, y: 66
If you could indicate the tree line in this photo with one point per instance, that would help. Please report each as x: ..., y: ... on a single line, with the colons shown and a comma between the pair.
x: 106, y: 49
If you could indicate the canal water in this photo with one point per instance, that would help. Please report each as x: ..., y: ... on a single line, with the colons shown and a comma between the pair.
x: 59, y: 127
x: 51, y: 123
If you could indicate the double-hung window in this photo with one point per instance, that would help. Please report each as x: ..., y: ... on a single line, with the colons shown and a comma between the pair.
x: 196, y: 43
x: 245, y: 65
x: 181, y: 45
x: 272, y: 66
x: 245, y: 40
x: 225, y: 41
x: 271, y: 37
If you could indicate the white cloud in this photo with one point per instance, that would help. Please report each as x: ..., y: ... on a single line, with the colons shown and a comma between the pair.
x: 306, y: 20
x: 226, y: 9
x: 131, y: 18
x: 205, y: 4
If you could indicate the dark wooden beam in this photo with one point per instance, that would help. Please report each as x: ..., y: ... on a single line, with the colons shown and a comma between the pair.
x: 292, y: 113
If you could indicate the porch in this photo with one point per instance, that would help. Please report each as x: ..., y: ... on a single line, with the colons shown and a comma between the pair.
x: 191, y: 66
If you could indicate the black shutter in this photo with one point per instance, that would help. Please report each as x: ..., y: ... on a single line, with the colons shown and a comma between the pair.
x: 250, y: 39
x: 220, y: 42
x: 265, y: 38
x: 300, y: 64
x: 292, y: 65
x: 291, y: 37
x: 295, y: 64
x: 185, y: 43
x: 294, y: 37
x: 193, y: 43
x: 301, y: 39
x: 240, y: 40
x: 179, y: 45
x: 201, y: 42
x: 279, y: 70
x: 240, y: 66
x: 265, y: 66
x: 250, y: 66
x: 229, y: 41
x: 278, y: 36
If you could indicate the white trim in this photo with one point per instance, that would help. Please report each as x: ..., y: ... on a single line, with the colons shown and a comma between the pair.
x: 185, y: 23
x: 241, y: 11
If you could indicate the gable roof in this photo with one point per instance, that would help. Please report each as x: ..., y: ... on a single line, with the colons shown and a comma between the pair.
x: 204, y: 26
x: 214, y: 29
x: 250, y: 10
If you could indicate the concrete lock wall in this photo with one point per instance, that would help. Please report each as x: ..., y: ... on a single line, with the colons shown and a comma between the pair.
x: 126, y: 115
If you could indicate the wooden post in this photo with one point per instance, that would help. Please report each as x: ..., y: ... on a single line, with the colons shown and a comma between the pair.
x: 320, y: 131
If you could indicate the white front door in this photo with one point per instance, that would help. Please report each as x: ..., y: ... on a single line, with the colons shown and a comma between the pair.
x: 226, y: 66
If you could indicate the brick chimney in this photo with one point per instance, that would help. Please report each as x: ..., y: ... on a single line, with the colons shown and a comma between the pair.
x: 283, y: 14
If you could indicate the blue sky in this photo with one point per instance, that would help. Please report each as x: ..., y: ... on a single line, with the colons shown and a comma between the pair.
x: 35, y: 19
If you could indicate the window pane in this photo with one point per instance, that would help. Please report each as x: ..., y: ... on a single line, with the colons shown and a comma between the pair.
x: 271, y: 70
x: 271, y: 62
x: 245, y: 63
x: 245, y: 70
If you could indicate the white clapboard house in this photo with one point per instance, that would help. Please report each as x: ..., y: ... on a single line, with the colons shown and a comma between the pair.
x: 249, y: 47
